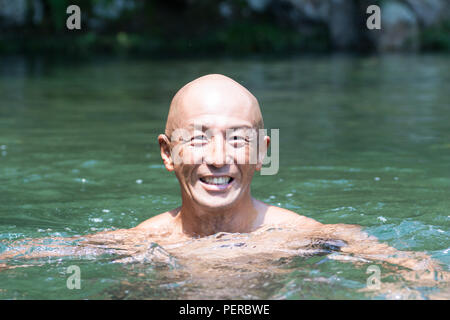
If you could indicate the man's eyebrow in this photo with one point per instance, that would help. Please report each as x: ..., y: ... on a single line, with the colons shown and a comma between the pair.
x: 241, y: 127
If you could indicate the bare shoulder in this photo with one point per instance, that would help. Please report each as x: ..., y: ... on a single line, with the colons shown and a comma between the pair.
x: 276, y: 216
x: 158, y: 222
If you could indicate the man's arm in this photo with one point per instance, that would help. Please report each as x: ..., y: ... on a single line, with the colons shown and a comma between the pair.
x: 415, y: 266
x: 115, y: 241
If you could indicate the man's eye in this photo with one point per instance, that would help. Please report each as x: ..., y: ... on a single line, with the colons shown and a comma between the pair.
x: 198, y: 139
x: 238, y: 141
x: 239, y: 138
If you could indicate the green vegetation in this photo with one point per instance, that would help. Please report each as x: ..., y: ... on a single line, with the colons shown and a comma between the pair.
x: 182, y: 27
x: 436, y: 38
x: 239, y: 38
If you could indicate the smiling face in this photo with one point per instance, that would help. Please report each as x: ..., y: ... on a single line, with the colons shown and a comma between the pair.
x: 211, y: 124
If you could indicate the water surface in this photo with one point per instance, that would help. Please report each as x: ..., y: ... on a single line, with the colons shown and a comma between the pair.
x: 364, y: 140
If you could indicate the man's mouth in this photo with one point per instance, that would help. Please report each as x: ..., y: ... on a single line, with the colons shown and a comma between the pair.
x: 217, y: 181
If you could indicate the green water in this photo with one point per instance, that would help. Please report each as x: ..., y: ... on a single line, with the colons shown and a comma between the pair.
x: 362, y: 140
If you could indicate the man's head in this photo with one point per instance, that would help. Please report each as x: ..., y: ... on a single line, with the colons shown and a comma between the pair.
x: 211, y: 130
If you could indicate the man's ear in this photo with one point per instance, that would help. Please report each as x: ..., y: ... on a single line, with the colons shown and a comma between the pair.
x: 166, y: 154
x: 262, y: 152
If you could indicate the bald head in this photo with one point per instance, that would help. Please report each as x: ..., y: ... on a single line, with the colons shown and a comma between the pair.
x: 214, y: 96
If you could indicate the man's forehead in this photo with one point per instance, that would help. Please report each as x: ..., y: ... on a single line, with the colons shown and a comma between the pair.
x: 222, y: 118
x: 214, y: 99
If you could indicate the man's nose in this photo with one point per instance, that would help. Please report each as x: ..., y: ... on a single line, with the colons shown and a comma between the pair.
x: 216, y: 155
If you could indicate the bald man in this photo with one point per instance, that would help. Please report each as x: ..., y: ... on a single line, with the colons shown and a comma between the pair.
x: 208, y: 143
x: 210, y: 129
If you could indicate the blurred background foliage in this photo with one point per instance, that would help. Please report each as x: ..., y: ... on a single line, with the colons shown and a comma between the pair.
x: 205, y: 27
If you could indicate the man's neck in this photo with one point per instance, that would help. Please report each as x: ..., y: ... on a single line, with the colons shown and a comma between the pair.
x: 198, y: 221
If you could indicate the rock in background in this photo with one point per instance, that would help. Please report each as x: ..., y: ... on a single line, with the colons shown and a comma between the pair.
x: 407, y: 25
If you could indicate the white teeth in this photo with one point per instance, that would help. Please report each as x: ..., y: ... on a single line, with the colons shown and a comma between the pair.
x: 217, y: 180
